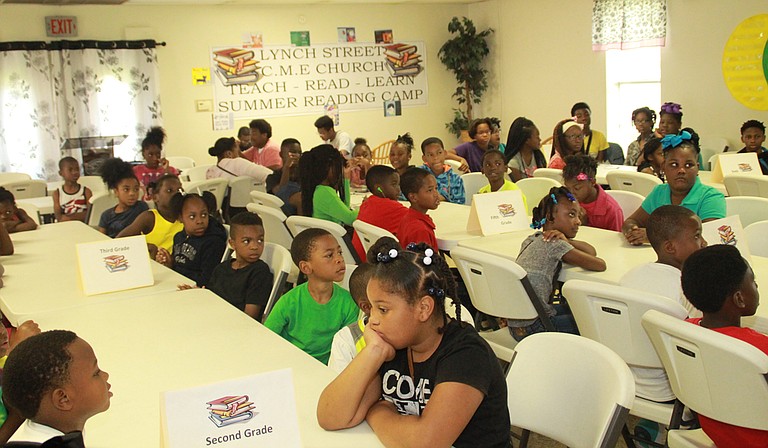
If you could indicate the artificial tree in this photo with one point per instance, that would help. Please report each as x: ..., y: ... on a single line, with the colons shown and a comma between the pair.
x: 464, y: 54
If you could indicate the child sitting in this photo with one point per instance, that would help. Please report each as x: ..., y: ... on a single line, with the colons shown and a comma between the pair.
x: 244, y: 281
x: 310, y: 314
x: 10, y: 420
x: 361, y: 162
x: 120, y: 178
x: 450, y: 187
x: 198, y: 249
x: 600, y: 209
x: 419, y: 368
x: 753, y: 137
x: 13, y: 218
x: 523, y: 149
x: 494, y: 170
x: 652, y: 159
x: 400, y: 153
x: 70, y: 201
x: 156, y: 165
x: 348, y: 341
x: 284, y: 183
x: 54, y: 381
x: 381, y: 209
x: 160, y: 224
x: 542, y: 254
x: 325, y: 185
x: 719, y: 282
x: 420, y: 188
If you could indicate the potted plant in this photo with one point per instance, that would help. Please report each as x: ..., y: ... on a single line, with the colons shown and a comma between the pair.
x: 464, y: 54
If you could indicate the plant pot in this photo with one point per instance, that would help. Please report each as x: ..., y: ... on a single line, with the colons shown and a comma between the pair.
x: 464, y: 137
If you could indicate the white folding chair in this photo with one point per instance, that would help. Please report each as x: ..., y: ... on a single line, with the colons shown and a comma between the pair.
x: 31, y: 210
x: 218, y: 187
x: 369, y: 234
x: 570, y: 389
x: 100, y: 203
x: 629, y: 201
x: 452, y: 163
x: 25, y: 189
x: 181, y: 162
x: 13, y: 177
x: 275, y: 231
x: 756, y: 238
x: 640, y: 183
x: 197, y: 174
x: 749, y: 208
x: 550, y: 173
x: 280, y: 265
x: 612, y: 315
x: 714, y: 374
x: 535, y: 188
x: 746, y: 185
x: 498, y: 286
x: 473, y: 182
x: 94, y: 183
x: 297, y: 224
x: 270, y: 200
x: 240, y: 189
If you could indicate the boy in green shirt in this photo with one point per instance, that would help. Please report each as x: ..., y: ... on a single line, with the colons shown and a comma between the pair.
x: 310, y: 314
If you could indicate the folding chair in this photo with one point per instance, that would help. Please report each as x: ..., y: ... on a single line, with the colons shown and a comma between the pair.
x: 714, y: 374
x: 535, y: 188
x: 381, y: 153
x: 275, y: 231
x: 25, y: 189
x: 640, y: 183
x: 31, y: 210
x: 94, y: 183
x: 746, y: 185
x: 280, y: 264
x: 369, y: 234
x: 499, y: 287
x: 270, y: 200
x: 297, y: 224
x: 13, y: 177
x: 612, y: 315
x: 473, y: 182
x: 197, y: 173
x: 239, y: 193
x: 749, y: 208
x: 217, y: 187
x: 570, y: 389
x: 181, y: 162
x: 755, y: 234
x: 99, y: 204
x: 629, y: 201
x: 550, y: 173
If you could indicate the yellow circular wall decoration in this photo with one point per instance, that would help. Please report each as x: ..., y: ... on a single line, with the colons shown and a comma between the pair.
x: 745, y: 68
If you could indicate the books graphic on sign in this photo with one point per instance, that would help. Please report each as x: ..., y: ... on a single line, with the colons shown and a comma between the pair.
x: 236, y: 66
x: 230, y: 409
x: 116, y: 263
x: 231, y: 56
x: 220, y: 421
x: 402, y: 60
x: 229, y: 79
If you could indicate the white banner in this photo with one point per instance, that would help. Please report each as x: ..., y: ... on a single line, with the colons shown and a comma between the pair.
x: 302, y: 80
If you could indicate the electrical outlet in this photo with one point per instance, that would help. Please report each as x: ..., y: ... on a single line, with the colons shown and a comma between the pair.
x: 204, y: 105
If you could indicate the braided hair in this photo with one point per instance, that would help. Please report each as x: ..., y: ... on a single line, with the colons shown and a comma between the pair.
x: 417, y: 271
x: 519, y: 132
x: 546, y: 209
x: 315, y: 167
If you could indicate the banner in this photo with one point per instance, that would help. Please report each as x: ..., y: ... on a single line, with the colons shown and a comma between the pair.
x: 302, y: 80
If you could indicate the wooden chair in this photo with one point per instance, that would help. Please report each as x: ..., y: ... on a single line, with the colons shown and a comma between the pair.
x: 381, y: 153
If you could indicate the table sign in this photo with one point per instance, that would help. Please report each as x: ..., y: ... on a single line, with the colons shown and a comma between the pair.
x: 745, y: 163
x: 114, y: 265
x: 257, y: 410
x: 498, y: 212
x: 727, y: 231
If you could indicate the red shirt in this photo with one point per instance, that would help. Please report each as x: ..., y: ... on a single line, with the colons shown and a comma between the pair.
x: 604, y: 212
x: 417, y: 227
x: 269, y: 155
x: 147, y: 175
x: 380, y: 212
x: 723, y: 434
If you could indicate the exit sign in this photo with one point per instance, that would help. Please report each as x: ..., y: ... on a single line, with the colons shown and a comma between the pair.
x: 61, y: 26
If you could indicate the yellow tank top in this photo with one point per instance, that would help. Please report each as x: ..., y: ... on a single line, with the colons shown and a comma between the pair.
x: 163, y: 232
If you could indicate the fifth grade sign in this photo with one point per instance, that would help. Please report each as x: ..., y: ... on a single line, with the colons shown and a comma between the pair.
x: 302, y: 80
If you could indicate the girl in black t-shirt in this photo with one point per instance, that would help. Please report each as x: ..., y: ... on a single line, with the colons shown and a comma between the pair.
x: 422, y: 377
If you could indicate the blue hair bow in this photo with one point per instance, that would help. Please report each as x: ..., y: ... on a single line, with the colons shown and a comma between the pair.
x: 673, y: 140
x: 538, y: 224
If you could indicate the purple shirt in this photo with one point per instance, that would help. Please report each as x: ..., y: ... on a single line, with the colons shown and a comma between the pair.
x: 473, y: 154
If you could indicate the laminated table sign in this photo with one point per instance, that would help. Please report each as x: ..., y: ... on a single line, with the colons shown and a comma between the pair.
x: 114, y: 265
x: 498, y: 212
x: 745, y: 163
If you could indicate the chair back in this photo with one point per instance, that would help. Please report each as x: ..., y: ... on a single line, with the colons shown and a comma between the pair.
x: 217, y: 187
x: 473, y: 182
x: 714, y: 374
x: 497, y: 285
x: 755, y: 234
x: 94, y: 183
x: 181, y: 162
x: 739, y: 184
x: 262, y: 198
x: 535, y: 188
x: 380, y: 154
x: 749, y: 208
x: 369, y: 234
x: 629, y: 201
x: 32, y: 210
x: 640, y: 183
x: 275, y: 230
x: 614, y: 154
x: 280, y: 265
x: 13, y: 177
x: 612, y: 315
x: 100, y: 202
x: 25, y: 189
x: 711, y: 146
x: 297, y: 224
x: 197, y: 173
x: 240, y: 189
x: 570, y: 389
x: 550, y: 173
x: 450, y: 310
x: 454, y: 164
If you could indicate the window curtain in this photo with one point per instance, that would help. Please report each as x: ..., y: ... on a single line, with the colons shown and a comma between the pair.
x: 626, y: 24
x: 68, y: 89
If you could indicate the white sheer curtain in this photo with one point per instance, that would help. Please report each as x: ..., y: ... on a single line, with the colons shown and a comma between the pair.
x: 626, y: 24
x: 75, y: 89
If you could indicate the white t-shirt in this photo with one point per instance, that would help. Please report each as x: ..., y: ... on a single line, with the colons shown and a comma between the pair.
x: 342, y: 142
x: 342, y: 350
x: 34, y: 432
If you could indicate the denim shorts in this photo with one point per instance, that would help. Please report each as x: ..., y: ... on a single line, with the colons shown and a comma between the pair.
x: 563, y: 322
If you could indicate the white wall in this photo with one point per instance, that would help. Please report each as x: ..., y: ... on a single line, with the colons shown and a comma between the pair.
x: 190, y: 31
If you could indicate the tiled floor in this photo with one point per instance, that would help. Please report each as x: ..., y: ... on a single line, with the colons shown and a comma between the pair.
x: 537, y: 441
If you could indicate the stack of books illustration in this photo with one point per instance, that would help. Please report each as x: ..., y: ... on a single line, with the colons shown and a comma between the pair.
x: 726, y: 235
x: 402, y: 60
x: 116, y: 263
x: 230, y: 409
x: 236, y: 66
